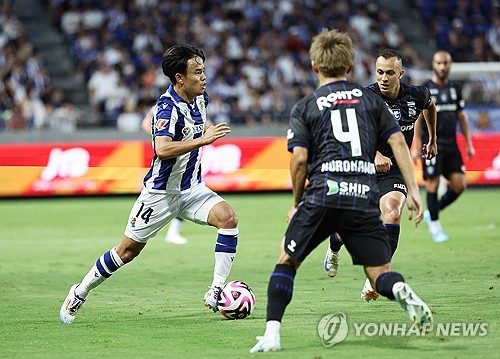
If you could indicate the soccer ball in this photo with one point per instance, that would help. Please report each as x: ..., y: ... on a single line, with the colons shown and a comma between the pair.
x: 236, y: 300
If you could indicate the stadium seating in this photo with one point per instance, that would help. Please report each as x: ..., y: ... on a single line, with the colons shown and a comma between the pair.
x: 257, y: 59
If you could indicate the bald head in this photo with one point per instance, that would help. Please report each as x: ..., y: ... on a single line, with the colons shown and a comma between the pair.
x: 441, y: 64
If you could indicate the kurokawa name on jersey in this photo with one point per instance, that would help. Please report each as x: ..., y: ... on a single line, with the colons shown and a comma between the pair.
x: 181, y: 121
x: 340, y: 124
x: 406, y: 107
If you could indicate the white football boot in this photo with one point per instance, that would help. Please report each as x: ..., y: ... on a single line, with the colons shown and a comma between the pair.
x: 416, y: 308
x: 212, y: 298
x: 70, y: 306
x: 332, y: 262
x: 267, y: 344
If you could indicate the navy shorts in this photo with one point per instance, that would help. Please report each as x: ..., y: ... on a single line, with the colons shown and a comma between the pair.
x: 363, y: 234
x: 391, y: 181
x: 445, y: 163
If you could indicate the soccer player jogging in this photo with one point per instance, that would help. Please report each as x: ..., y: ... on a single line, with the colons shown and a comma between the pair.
x: 406, y: 103
x: 174, y: 229
x: 450, y: 108
x: 333, y: 135
x: 173, y: 186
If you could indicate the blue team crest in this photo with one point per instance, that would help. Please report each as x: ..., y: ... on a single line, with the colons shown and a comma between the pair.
x: 396, y: 112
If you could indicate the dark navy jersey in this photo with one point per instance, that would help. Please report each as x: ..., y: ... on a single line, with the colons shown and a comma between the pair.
x: 448, y: 100
x: 340, y: 124
x: 406, y: 107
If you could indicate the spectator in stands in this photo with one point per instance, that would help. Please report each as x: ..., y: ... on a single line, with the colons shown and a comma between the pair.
x: 14, y: 119
x: 240, y: 35
x: 493, y: 34
x: 218, y: 111
x: 253, y: 38
x: 461, y: 26
x: 63, y: 118
x: 101, y: 87
x: 24, y: 79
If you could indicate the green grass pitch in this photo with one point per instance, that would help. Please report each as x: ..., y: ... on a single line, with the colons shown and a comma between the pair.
x: 152, y: 308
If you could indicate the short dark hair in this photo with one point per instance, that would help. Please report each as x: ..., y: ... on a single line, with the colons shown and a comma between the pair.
x: 175, y: 59
x: 390, y: 53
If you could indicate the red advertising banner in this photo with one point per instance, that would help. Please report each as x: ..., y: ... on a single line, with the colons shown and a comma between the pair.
x: 48, y: 169
x: 484, y: 167
x: 71, y: 168
x: 242, y: 164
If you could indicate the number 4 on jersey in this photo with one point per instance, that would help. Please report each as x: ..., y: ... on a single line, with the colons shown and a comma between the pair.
x: 352, y: 134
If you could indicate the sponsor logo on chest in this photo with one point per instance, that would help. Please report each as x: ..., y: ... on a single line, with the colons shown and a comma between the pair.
x: 192, y: 130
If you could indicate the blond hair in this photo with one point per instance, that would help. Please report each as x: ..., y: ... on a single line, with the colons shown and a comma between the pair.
x: 332, y: 52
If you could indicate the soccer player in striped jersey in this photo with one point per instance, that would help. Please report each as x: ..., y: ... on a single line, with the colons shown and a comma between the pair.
x: 333, y: 136
x: 407, y: 103
x: 173, y: 186
x: 174, y: 229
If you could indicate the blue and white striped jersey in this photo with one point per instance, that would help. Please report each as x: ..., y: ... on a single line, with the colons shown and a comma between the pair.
x: 181, y: 121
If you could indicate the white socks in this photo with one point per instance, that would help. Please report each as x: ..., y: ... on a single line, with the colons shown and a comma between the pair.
x: 272, y: 329
x: 225, y: 251
x: 103, y: 268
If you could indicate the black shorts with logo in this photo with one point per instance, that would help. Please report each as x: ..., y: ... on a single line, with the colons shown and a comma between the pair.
x: 391, y: 181
x: 363, y: 234
x: 445, y: 163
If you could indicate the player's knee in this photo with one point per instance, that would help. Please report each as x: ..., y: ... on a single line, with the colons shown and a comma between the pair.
x: 392, y: 216
x: 222, y: 216
x: 460, y: 187
x: 458, y: 183
x: 432, y: 184
x: 229, y: 220
x: 286, y: 259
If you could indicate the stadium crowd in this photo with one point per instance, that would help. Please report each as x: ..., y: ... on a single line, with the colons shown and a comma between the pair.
x: 27, y: 98
x: 468, y: 30
x: 258, y: 58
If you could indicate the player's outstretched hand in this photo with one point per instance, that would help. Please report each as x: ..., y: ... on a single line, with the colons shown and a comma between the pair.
x: 429, y: 150
x: 415, y: 208
x: 213, y: 133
